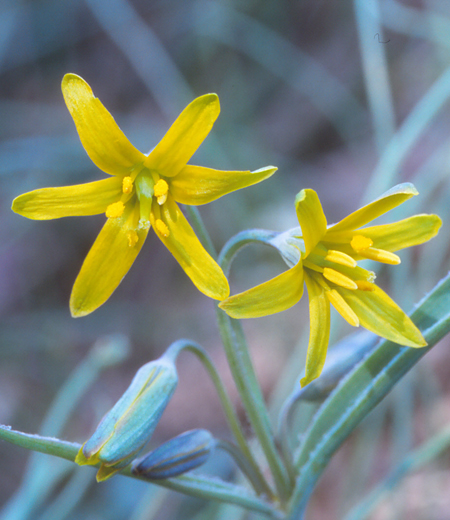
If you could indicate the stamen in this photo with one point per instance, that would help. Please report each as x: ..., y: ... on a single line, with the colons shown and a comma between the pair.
x: 161, y: 188
x: 339, y: 278
x: 115, y: 209
x: 133, y: 237
x: 359, y: 243
x: 162, y: 228
x: 338, y: 257
x: 160, y: 200
x: 342, y: 307
x: 127, y: 185
x: 365, y: 286
x: 380, y: 255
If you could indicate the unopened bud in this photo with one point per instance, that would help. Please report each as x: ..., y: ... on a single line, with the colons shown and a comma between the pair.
x: 181, y: 454
x: 127, y: 427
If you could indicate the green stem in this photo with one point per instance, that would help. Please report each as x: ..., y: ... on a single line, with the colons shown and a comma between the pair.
x: 193, y: 485
x: 237, y: 242
x: 252, y: 398
x: 244, y: 376
x: 197, y: 223
x: 252, y: 469
x: 240, y: 460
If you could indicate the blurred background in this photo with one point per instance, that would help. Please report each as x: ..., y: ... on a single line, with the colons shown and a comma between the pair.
x: 346, y: 97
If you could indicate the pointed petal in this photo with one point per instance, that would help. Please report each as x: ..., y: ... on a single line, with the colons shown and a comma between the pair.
x: 311, y: 218
x: 276, y: 295
x: 107, y: 262
x: 381, y: 315
x: 184, y: 245
x: 184, y: 137
x: 105, y: 472
x: 405, y: 233
x: 319, y: 330
x: 103, y: 140
x: 389, y: 200
x: 196, y: 185
x: 69, y: 201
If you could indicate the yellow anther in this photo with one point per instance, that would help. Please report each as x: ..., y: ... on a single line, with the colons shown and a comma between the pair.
x: 115, y: 209
x: 359, y: 243
x: 133, y: 237
x: 162, y: 199
x: 365, y: 286
x: 339, y: 279
x: 161, y: 188
x: 385, y: 257
x: 338, y: 257
x: 162, y: 228
x: 342, y: 307
x: 127, y: 185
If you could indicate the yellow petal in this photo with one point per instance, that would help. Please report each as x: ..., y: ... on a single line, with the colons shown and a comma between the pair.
x: 405, y: 233
x: 311, y: 218
x: 381, y: 315
x: 103, y: 140
x: 107, y: 262
x: 196, y: 185
x: 389, y: 200
x: 276, y: 295
x: 83, y: 199
x: 184, y: 137
x: 319, y: 330
x: 182, y: 242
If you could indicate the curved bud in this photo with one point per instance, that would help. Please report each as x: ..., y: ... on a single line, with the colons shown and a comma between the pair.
x: 187, y: 451
x: 127, y: 427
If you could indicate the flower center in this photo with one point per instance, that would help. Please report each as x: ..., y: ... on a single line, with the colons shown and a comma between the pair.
x: 147, y: 186
x: 337, y: 267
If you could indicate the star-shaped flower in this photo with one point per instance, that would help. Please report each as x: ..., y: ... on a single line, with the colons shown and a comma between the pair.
x: 143, y: 191
x: 325, y: 258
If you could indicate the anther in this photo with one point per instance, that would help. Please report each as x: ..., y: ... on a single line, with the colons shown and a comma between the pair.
x: 359, y: 243
x: 338, y: 257
x: 342, y: 307
x: 162, y: 228
x: 385, y: 257
x: 339, y: 279
x: 127, y: 185
x: 133, y: 237
x: 161, y: 190
x: 363, y: 285
x: 115, y: 209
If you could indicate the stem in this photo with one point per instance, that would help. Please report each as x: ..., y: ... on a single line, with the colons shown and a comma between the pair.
x: 252, y: 469
x: 251, y: 395
x: 240, y: 460
x: 193, y: 485
x: 244, y: 376
x: 231, y: 248
x: 200, y: 229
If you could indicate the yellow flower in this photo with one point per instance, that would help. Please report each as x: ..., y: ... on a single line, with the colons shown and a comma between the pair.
x: 325, y: 258
x: 142, y: 192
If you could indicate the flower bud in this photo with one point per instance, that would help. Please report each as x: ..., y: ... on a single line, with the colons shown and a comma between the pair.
x: 127, y: 427
x: 181, y: 454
